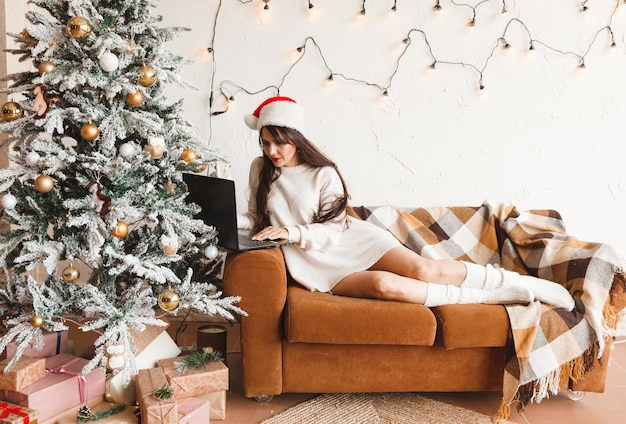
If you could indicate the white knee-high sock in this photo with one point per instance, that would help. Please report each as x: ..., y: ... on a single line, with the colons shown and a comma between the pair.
x: 489, y: 277
x: 443, y: 294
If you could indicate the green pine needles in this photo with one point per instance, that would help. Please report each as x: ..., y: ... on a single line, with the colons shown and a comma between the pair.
x: 196, y: 361
x: 99, y: 415
x: 165, y: 392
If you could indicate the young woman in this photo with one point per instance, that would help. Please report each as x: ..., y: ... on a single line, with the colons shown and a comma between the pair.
x: 297, y: 193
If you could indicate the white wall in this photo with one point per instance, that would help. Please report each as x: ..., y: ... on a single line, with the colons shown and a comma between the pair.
x: 542, y: 134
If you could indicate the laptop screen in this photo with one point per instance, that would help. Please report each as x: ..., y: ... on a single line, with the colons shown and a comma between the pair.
x: 216, y: 197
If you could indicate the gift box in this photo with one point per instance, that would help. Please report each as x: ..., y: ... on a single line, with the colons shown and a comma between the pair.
x: 62, y: 388
x: 54, y: 343
x: 15, y: 414
x: 217, y: 404
x: 26, y: 371
x: 193, y: 411
x: 213, y: 377
x: 153, y: 344
x: 154, y: 410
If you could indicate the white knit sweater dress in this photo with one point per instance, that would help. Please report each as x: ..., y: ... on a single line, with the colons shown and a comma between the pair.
x: 324, y: 253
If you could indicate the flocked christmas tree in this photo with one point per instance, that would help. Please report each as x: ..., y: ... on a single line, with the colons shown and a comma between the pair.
x: 93, y: 200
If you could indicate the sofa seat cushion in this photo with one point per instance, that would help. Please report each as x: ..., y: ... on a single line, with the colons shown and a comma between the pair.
x: 314, y: 317
x: 472, y: 325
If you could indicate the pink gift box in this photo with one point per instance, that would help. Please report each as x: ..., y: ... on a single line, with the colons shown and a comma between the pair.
x: 61, y: 389
x: 212, y: 378
x: 54, y: 343
x: 26, y: 371
x: 193, y: 411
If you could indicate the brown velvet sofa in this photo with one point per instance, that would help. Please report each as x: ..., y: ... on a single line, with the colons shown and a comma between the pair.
x: 298, y: 341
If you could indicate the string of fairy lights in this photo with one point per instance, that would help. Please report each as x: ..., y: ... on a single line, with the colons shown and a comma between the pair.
x: 229, y: 90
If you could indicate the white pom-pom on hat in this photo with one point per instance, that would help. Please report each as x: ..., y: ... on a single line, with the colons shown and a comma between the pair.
x: 277, y: 111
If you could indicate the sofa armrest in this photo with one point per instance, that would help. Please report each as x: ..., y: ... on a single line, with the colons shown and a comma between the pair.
x: 260, y: 278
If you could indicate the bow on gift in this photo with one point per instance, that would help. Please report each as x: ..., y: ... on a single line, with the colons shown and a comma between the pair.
x: 82, y: 383
x: 6, y: 410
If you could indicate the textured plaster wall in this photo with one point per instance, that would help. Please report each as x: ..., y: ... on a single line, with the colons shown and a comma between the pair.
x: 542, y: 134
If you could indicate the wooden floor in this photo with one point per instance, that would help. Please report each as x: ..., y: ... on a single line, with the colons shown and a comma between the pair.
x: 606, y: 408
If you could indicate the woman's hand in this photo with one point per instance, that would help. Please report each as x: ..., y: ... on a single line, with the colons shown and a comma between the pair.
x: 271, y: 233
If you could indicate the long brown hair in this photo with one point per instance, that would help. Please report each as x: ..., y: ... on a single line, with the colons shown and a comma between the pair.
x: 308, y: 154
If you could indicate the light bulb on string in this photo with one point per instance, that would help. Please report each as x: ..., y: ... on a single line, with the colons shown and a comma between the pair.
x: 330, y: 81
x: 267, y: 5
x: 310, y: 5
x: 437, y: 8
x: 583, y: 6
x: 394, y: 8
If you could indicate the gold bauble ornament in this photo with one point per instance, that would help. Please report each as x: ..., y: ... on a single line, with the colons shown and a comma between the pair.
x: 44, y: 183
x: 89, y: 132
x: 188, y: 155
x: 169, y: 249
x: 120, y: 230
x: 12, y: 111
x: 46, y: 67
x: 134, y: 99
x: 71, y: 274
x: 148, y: 76
x: 78, y: 28
x: 36, y: 321
x: 156, y: 152
x: 168, y: 300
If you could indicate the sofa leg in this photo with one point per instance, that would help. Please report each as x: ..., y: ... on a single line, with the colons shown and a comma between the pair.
x: 264, y: 398
x: 575, y: 395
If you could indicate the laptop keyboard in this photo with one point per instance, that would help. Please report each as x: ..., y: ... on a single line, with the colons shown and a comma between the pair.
x: 248, y: 242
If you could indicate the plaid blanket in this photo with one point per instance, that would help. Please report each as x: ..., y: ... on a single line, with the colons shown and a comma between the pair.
x: 550, y: 343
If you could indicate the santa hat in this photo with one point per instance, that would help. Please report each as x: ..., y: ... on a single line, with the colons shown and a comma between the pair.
x: 279, y: 112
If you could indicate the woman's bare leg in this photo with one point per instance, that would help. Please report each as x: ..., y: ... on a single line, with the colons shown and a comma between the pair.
x: 389, y: 286
x: 406, y: 263
x: 382, y: 285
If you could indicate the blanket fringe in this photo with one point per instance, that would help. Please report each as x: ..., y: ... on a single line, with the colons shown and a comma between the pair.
x: 550, y: 384
x: 503, y: 414
x: 612, y: 311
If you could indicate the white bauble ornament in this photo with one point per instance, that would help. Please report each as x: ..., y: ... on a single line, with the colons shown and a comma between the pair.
x: 211, y: 252
x: 109, y: 62
x: 8, y: 201
x: 127, y: 150
x: 32, y: 158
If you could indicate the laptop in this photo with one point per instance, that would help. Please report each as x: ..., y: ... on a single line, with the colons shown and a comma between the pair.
x: 216, y: 197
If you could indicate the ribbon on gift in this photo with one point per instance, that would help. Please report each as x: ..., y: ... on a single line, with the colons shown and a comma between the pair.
x: 6, y: 409
x: 58, y: 349
x: 82, y: 383
x: 166, y: 406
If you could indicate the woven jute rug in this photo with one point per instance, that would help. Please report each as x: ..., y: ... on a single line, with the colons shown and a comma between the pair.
x: 376, y: 408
